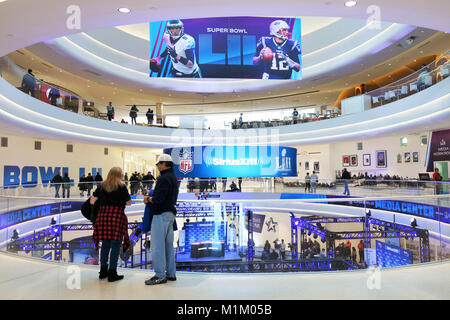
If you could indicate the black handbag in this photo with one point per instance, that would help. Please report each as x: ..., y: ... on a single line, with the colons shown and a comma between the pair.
x: 90, y: 211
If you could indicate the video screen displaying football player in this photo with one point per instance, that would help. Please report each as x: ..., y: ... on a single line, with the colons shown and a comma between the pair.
x: 181, y: 48
x: 278, y: 53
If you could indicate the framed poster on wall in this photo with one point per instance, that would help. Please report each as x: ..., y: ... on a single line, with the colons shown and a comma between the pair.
x: 316, y: 167
x: 345, y: 161
x: 366, y: 160
x: 354, y: 161
x: 415, y: 157
x: 407, y: 157
x: 399, y: 158
x: 381, y: 159
x: 307, y: 165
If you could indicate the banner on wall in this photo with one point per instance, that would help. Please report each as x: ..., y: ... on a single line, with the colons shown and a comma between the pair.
x: 392, y: 256
x: 234, y: 161
x: 30, y: 176
x: 226, y: 47
x: 11, y: 218
x: 439, y: 148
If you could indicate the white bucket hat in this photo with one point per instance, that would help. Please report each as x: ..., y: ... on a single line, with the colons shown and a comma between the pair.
x: 163, y: 158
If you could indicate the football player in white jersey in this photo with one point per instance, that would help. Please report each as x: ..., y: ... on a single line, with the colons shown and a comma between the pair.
x: 181, y: 48
x: 279, y: 54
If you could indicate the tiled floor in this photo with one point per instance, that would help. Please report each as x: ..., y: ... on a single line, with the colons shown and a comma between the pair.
x: 25, y: 278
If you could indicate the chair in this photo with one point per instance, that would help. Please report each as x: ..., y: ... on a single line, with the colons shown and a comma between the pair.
x: 375, y: 100
x: 445, y: 71
x: 404, y: 90
x: 413, y: 86
x: 428, y: 81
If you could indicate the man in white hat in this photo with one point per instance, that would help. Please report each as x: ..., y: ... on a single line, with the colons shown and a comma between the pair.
x: 163, y: 214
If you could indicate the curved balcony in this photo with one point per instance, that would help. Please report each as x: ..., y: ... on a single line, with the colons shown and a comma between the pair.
x: 428, y: 106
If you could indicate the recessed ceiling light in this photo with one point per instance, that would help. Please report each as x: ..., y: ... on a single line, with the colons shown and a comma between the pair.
x: 124, y: 10
x: 351, y: 3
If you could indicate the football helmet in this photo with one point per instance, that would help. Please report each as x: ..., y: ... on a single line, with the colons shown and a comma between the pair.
x: 174, y: 24
x: 277, y: 27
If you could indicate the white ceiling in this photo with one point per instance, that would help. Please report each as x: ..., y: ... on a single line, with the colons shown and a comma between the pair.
x: 24, y: 22
x: 46, y: 20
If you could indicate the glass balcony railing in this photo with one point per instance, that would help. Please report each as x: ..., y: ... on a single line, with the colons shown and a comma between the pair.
x: 413, y: 83
x: 422, y: 79
x: 386, y: 231
x: 360, y: 187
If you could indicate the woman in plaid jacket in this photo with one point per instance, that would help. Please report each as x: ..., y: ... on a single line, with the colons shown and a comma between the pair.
x: 111, y: 225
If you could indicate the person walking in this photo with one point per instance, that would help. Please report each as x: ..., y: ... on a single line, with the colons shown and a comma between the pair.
x: 111, y: 224
x: 82, y: 185
x: 89, y: 183
x: 29, y: 83
x: 163, y: 214
x: 133, y: 113
x: 314, y: 180
x: 66, y: 185
x: 149, y: 116
x: 56, y: 182
x: 110, y: 111
x: 307, y: 182
x: 240, y: 183
x: 98, y: 179
x: 346, y: 177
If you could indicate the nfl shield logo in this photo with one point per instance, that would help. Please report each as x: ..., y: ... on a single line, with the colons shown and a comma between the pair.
x: 186, y: 162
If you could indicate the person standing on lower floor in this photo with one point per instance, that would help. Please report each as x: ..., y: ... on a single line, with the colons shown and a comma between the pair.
x: 282, y: 249
x: 361, y: 251
x: 111, y: 225
x: 163, y: 214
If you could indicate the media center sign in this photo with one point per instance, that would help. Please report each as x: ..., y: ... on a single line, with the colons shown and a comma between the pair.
x: 234, y: 161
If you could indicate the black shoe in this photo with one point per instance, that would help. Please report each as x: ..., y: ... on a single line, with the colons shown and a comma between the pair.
x: 113, y: 276
x: 155, y: 280
x: 174, y: 278
x: 103, y: 272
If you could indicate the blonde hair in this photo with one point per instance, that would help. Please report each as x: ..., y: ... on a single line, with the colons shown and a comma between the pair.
x: 113, y: 180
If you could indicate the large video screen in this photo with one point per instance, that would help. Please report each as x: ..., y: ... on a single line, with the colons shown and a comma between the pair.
x: 232, y: 48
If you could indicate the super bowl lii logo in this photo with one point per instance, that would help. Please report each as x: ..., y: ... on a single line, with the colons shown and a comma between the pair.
x: 186, y: 164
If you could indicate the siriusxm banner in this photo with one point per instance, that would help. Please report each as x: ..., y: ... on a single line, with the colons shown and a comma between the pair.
x: 234, y: 161
x: 392, y: 256
x: 234, y: 47
x: 11, y: 218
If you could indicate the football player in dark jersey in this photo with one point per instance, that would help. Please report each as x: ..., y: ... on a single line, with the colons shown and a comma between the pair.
x: 279, y: 54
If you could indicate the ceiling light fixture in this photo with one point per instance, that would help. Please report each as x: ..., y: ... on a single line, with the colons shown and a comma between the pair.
x: 351, y: 3
x: 124, y: 10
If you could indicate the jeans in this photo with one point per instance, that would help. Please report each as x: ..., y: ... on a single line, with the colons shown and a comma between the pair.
x: 110, y: 248
x: 57, y: 187
x: 64, y: 192
x: 313, y: 186
x: 346, y: 191
x: 163, y: 253
x: 133, y: 120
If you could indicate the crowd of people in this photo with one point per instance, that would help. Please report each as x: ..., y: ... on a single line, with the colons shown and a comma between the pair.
x: 278, y: 251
